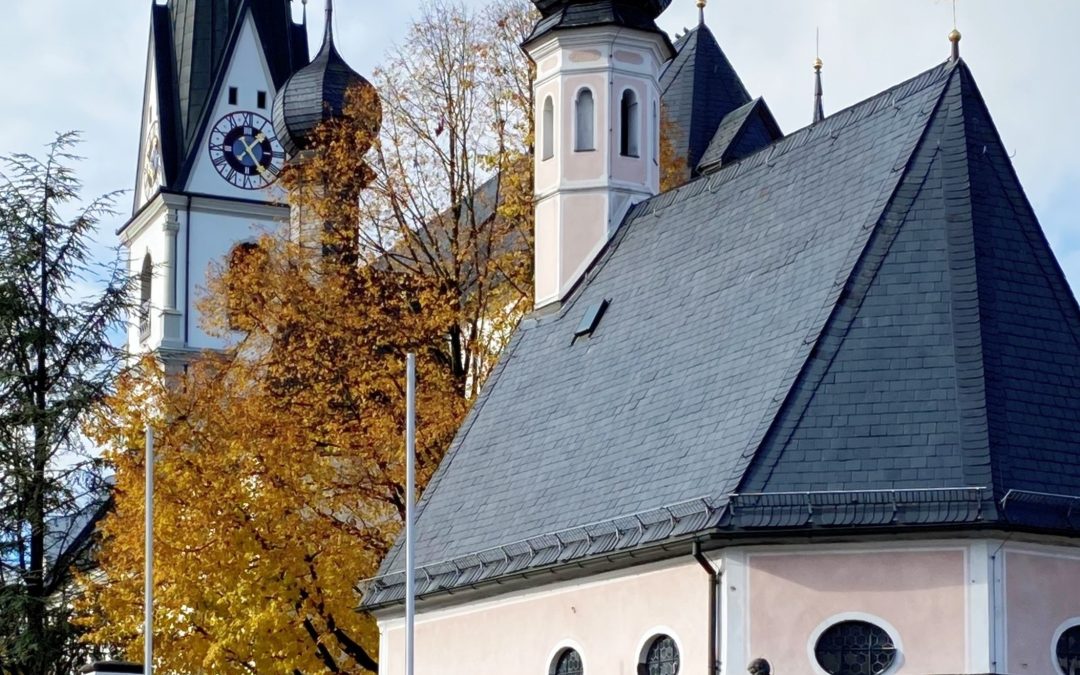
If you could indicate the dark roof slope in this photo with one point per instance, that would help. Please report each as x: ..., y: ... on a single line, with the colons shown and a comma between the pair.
x: 861, y: 325
x: 699, y: 87
x: 743, y: 132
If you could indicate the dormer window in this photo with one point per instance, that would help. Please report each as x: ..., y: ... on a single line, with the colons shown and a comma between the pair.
x: 583, y: 121
x: 547, y: 130
x: 630, y: 124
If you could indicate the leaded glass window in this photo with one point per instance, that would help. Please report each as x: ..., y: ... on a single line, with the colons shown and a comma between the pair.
x: 568, y: 663
x: 1068, y: 651
x: 661, y: 658
x: 855, y: 648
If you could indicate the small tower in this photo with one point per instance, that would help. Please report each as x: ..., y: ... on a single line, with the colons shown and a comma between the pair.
x: 316, y: 94
x: 598, y: 136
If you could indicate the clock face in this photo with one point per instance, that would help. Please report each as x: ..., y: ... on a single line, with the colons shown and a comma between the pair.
x: 152, y: 160
x: 245, y: 151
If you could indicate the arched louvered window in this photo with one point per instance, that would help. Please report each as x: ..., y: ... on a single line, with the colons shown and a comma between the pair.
x: 661, y: 657
x: 547, y: 130
x: 855, y: 648
x: 1067, y: 650
x: 146, y: 279
x: 583, y: 121
x: 568, y: 662
x: 630, y: 124
x: 241, y: 259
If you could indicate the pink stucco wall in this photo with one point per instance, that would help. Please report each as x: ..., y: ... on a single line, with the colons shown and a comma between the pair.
x: 608, y: 621
x: 920, y: 593
x: 1041, y: 593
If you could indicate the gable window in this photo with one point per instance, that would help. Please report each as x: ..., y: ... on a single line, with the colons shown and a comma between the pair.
x: 146, y: 277
x: 661, y: 657
x: 583, y: 121
x: 234, y: 95
x: 548, y: 129
x: 1067, y: 651
x: 630, y: 124
x: 260, y: 100
x: 568, y: 662
x: 855, y: 648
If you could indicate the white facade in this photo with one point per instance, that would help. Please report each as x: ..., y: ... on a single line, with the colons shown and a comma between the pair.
x: 597, y: 98
x: 185, y: 230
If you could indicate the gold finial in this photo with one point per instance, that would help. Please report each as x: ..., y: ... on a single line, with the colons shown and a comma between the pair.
x: 954, y: 38
x: 701, y: 4
x: 818, y: 64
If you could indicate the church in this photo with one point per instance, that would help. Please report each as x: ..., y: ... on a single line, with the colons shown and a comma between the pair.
x: 816, y: 410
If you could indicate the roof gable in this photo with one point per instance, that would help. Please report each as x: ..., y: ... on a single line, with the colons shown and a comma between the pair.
x: 860, y: 326
x: 698, y: 88
x: 742, y: 132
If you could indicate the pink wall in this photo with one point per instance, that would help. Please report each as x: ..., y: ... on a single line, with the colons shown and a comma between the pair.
x: 1041, y: 593
x: 921, y: 594
x: 608, y: 621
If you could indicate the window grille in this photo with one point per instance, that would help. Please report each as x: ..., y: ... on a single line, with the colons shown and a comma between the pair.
x: 855, y: 648
x: 661, y: 658
x: 1068, y: 651
x: 568, y: 663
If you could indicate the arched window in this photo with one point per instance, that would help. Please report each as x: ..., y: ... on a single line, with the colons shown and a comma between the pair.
x: 146, y: 278
x: 241, y: 258
x: 547, y: 130
x: 1068, y: 651
x: 661, y: 657
x: 568, y: 662
x: 855, y: 648
x: 630, y: 126
x: 583, y: 121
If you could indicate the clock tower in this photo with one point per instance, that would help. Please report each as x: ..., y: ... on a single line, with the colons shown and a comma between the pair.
x: 208, y: 156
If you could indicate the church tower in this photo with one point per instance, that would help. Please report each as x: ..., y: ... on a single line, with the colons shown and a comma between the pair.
x: 597, y: 94
x: 208, y: 155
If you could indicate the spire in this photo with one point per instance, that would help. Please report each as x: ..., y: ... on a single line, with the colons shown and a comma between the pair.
x: 819, y: 108
x: 954, y: 36
x: 701, y: 12
x: 328, y: 34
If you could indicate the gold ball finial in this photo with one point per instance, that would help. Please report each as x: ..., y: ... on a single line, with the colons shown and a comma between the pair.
x: 701, y: 4
x: 818, y: 64
x: 954, y: 36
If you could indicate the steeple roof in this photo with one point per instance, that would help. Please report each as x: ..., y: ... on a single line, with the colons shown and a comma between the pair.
x: 699, y: 87
x: 860, y: 327
x: 192, y: 42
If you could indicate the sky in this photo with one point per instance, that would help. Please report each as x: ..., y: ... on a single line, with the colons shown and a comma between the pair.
x: 79, y: 65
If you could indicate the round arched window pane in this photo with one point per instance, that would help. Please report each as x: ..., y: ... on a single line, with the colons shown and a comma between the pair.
x: 1068, y: 651
x: 662, y: 657
x: 855, y: 648
x: 568, y: 663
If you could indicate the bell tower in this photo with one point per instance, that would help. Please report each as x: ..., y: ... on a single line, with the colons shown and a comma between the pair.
x: 208, y: 156
x: 598, y: 128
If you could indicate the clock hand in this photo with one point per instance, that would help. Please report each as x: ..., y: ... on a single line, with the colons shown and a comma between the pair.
x: 251, y: 153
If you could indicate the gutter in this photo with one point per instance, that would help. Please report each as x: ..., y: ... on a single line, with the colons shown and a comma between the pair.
x: 714, y: 585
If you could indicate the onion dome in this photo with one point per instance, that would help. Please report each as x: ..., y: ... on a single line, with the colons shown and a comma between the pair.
x: 567, y: 14
x: 317, y: 93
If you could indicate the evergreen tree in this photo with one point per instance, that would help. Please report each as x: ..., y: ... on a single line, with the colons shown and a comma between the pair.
x: 56, y: 361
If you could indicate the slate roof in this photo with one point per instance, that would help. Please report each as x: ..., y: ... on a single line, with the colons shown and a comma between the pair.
x: 316, y: 93
x: 568, y: 14
x: 699, y: 87
x: 861, y: 325
x: 192, y: 42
